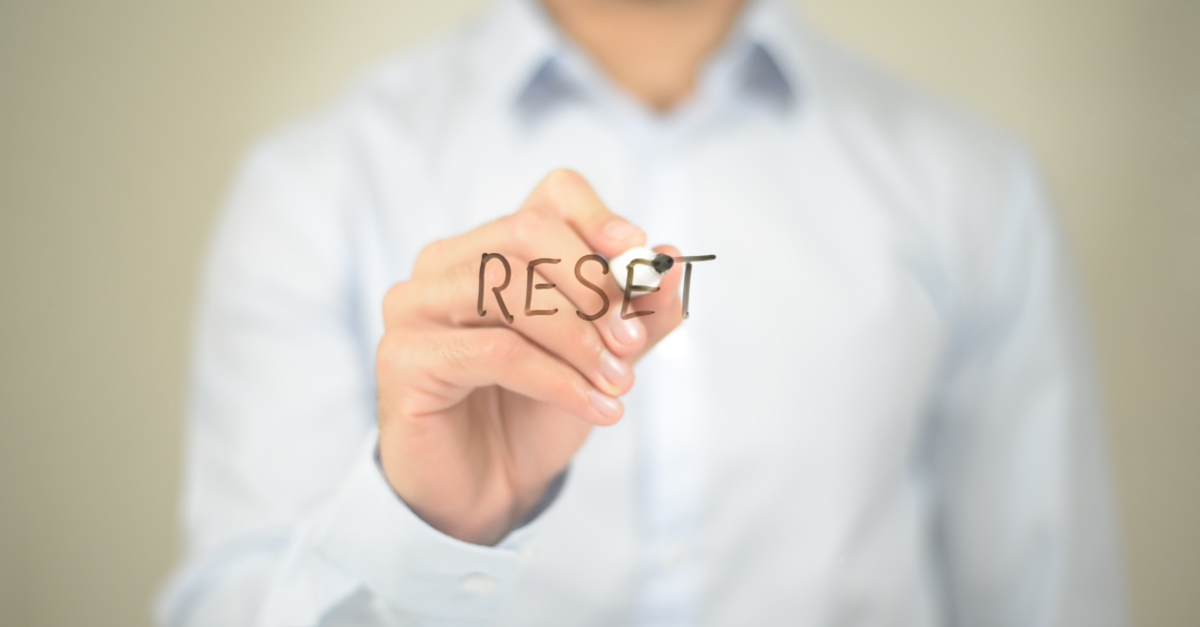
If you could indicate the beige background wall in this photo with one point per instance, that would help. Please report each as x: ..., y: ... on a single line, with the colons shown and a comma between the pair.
x: 120, y: 123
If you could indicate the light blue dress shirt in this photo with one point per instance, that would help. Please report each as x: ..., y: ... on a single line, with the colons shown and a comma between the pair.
x: 880, y: 411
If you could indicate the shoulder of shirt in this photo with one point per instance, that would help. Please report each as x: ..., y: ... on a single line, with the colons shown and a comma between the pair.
x: 408, y: 91
x: 964, y: 186
x: 923, y: 146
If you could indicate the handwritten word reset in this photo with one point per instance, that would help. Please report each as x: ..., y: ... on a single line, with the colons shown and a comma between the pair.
x: 630, y: 287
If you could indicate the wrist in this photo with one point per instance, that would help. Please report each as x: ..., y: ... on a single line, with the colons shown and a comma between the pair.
x: 487, y: 523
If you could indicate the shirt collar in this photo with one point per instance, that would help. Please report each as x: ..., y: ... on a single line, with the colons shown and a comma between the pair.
x: 521, y: 58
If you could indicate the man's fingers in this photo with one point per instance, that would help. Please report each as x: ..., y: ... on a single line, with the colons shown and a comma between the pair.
x: 562, y: 198
x: 452, y: 301
x: 532, y: 235
x: 449, y: 363
x: 566, y: 194
x: 665, y: 303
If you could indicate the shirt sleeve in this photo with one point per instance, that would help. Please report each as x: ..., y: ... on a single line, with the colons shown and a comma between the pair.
x: 1025, y: 524
x: 288, y: 519
x: 372, y: 544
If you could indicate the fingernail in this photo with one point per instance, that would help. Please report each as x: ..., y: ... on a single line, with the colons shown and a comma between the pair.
x: 615, y: 371
x: 626, y: 331
x: 620, y: 230
x: 608, y: 406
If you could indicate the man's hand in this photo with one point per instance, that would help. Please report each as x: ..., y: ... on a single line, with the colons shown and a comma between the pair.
x: 477, y: 416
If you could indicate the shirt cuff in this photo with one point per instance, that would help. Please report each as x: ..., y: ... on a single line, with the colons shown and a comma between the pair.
x: 373, y: 536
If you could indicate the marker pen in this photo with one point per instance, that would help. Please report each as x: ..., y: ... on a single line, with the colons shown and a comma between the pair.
x: 644, y: 275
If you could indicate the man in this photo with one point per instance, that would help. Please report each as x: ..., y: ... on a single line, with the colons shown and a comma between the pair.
x: 878, y: 411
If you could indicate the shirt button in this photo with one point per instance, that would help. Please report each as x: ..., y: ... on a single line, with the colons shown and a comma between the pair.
x: 479, y: 583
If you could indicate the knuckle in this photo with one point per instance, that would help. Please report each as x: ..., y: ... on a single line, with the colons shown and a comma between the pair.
x: 455, y: 354
x: 555, y: 189
x: 564, y: 180
x: 466, y: 272
x: 395, y: 298
x: 586, y: 337
x: 499, y: 348
x: 390, y: 354
x: 494, y: 274
x: 543, y: 212
x: 524, y: 227
x: 428, y: 254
